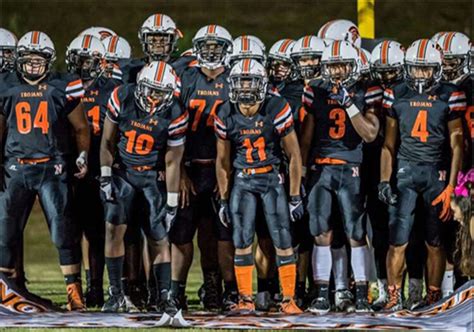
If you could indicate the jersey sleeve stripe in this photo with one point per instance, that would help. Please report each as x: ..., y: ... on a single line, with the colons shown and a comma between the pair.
x: 284, y: 125
x: 182, y: 119
x: 283, y: 113
x: 176, y: 142
x: 74, y: 84
x: 109, y: 117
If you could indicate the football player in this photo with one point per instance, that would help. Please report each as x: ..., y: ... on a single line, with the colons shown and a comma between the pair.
x: 116, y: 49
x: 35, y: 113
x: 424, y: 115
x: 339, y: 120
x: 98, y: 32
x: 148, y: 126
x: 84, y: 58
x: 205, y: 87
x: 253, y: 125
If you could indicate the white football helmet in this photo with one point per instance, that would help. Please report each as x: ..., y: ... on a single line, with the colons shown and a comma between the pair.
x: 455, y: 47
x: 341, y: 30
x: 8, y: 43
x: 35, y: 43
x: 245, y: 48
x: 98, y: 32
x: 84, y: 56
x: 156, y: 84
x: 163, y: 29
x: 308, y: 49
x: 280, y: 64
x: 212, y: 45
x: 437, y: 36
x: 116, y: 48
x: 247, y: 82
x: 471, y: 60
x: 386, y: 62
x: 364, y: 58
x: 255, y: 39
x: 423, y: 54
x: 340, y: 63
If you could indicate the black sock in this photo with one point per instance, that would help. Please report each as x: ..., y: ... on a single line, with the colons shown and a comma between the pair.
x: 300, y: 288
x: 88, y: 278
x: 322, y: 290
x: 162, y: 273
x: 115, y: 271
x: 230, y: 286
x: 178, y: 288
x: 262, y: 285
x: 273, y: 286
x: 72, y: 278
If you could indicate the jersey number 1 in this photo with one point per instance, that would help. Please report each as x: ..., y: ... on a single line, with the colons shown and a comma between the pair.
x: 23, y: 117
x: 420, y: 126
x: 259, y: 144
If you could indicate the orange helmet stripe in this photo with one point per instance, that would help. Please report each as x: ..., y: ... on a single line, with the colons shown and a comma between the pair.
x: 245, y: 44
x: 336, y: 48
x: 447, y: 41
x: 211, y: 29
x: 158, y: 20
x: 325, y: 29
x: 384, y: 52
x: 35, y: 37
x: 246, y: 66
x: 160, y: 71
x: 113, y: 44
x: 86, y: 41
x: 285, y: 45
x: 422, y: 49
x: 306, y: 41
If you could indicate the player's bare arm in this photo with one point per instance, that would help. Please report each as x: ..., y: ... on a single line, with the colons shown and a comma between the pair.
x: 223, y: 167
x: 292, y: 150
x: 82, y: 133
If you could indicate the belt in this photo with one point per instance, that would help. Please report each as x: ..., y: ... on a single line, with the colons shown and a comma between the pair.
x: 258, y: 170
x: 329, y: 161
x: 32, y: 161
x: 142, y: 168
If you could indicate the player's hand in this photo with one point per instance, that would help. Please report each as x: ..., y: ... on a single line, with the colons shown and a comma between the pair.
x: 341, y: 95
x: 169, y: 214
x: 296, y: 208
x: 224, y: 213
x: 445, y: 199
x: 106, y: 188
x: 81, y: 163
x: 185, y: 187
x: 385, y: 193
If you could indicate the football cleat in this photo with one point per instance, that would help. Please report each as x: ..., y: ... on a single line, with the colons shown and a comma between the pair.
x: 75, y: 301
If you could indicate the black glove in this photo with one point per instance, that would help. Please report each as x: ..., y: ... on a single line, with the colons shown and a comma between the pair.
x: 224, y: 213
x: 296, y: 208
x: 385, y: 193
x: 168, y: 216
x: 107, y: 188
x: 342, y: 97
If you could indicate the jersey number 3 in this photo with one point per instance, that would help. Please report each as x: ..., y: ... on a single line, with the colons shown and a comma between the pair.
x: 339, y: 117
x: 24, y: 119
x: 420, y: 127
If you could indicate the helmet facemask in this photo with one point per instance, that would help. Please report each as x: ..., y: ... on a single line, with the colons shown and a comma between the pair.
x: 422, y: 77
x: 279, y: 69
x: 152, y: 98
x: 34, y: 65
x: 87, y: 66
x: 387, y: 75
x: 159, y: 45
x: 212, y: 52
x: 247, y: 89
x: 7, y: 59
x: 308, y: 65
x: 455, y: 67
x: 340, y: 72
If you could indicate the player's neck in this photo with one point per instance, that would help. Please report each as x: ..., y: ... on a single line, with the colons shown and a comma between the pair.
x: 249, y: 110
x: 34, y: 82
x: 212, y: 74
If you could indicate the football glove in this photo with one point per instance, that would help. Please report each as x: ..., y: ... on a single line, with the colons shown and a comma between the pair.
x: 168, y: 215
x: 296, y: 208
x: 341, y: 96
x: 224, y: 213
x: 106, y: 188
x: 385, y: 193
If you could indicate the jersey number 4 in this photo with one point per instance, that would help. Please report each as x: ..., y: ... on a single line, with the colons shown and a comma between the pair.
x: 24, y: 119
x: 200, y: 105
x: 420, y: 127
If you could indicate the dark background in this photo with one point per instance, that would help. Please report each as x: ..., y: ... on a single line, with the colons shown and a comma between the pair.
x: 402, y: 20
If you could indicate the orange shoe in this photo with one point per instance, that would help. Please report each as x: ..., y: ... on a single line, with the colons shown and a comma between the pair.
x: 75, y: 301
x: 288, y: 306
x: 245, y: 305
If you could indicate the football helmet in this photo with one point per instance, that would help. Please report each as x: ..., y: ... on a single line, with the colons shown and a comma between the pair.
x: 84, y: 56
x: 35, y: 55
x: 471, y: 60
x: 156, y: 83
x: 423, y: 65
x: 340, y: 63
x: 455, y: 47
x: 159, y: 36
x: 280, y: 64
x: 364, y: 58
x: 247, y: 82
x: 306, y: 54
x: 212, y: 46
x: 245, y: 48
x: 255, y: 39
x: 341, y: 30
x: 116, y: 48
x: 437, y: 36
x: 8, y: 43
x: 98, y: 32
x: 386, y: 62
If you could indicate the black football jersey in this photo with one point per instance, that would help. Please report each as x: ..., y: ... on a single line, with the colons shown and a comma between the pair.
x: 256, y: 139
x: 143, y: 137
x: 36, y: 115
x: 423, y: 119
x: 334, y: 135
x: 201, y: 97
x: 95, y: 100
x: 292, y: 91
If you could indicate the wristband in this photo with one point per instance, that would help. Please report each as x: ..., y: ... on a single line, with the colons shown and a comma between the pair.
x: 106, y: 171
x: 352, y: 110
x: 172, y: 199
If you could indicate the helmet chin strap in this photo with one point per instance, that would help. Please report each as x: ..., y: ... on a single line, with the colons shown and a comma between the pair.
x: 34, y: 81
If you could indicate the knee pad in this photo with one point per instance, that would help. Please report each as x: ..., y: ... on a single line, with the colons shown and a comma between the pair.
x: 70, y: 256
x: 283, y: 239
x: 7, y: 258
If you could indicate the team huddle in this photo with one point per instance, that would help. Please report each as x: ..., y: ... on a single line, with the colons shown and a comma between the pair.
x: 342, y: 161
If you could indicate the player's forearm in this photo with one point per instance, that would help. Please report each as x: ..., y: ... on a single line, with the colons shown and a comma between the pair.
x: 83, y: 138
x: 295, y: 174
x: 223, y: 175
x: 456, y: 161
x: 173, y: 168
x: 366, y: 127
x: 386, y: 164
x: 306, y: 138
